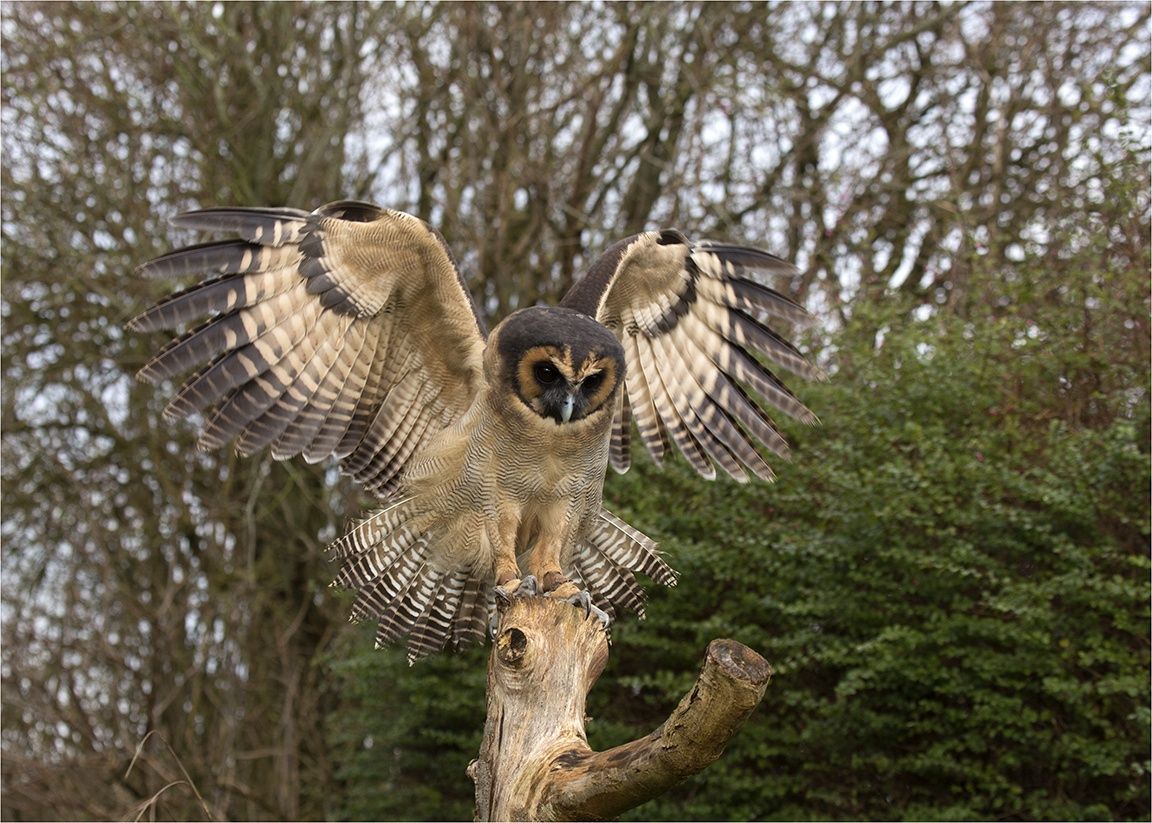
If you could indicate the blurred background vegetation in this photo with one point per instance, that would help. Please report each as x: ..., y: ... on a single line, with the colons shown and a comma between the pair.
x: 952, y: 576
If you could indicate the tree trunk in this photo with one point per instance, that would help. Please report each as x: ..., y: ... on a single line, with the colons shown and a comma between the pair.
x: 535, y: 762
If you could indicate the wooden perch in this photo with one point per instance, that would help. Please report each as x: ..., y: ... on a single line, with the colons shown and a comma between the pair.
x: 535, y: 762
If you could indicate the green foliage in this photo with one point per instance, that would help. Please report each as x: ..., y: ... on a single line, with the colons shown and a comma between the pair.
x: 955, y: 602
x: 406, y: 735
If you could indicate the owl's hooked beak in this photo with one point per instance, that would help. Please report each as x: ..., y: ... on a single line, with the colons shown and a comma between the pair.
x: 562, y: 404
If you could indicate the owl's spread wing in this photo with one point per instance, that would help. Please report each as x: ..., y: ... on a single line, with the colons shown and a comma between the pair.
x: 344, y: 332
x: 694, y: 326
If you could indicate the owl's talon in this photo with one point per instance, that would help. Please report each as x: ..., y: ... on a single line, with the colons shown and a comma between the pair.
x: 529, y: 587
x: 508, y: 591
x: 504, y: 595
x: 583, y: 600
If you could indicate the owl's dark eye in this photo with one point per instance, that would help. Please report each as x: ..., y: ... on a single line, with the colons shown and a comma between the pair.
x: 546, y: 374
x: 592, y: 382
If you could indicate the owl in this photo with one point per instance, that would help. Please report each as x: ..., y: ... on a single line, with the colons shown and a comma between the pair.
x: 348, y: 333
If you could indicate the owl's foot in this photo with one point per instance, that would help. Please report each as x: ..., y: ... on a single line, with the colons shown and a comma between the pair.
x: 583, y: 600
x: 555, y: 580
x: 508, y: 591
x: 557, y: 586
x: 528, y: 586
x: 564, y: 590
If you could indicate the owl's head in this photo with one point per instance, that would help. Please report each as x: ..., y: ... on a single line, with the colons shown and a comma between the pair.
x: 561, y: 364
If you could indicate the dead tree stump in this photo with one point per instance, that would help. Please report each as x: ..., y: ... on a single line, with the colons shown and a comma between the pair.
x: 535, y: 762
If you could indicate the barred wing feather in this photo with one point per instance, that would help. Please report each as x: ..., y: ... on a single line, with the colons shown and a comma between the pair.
x: 695, y: 329
x: 344, y: 332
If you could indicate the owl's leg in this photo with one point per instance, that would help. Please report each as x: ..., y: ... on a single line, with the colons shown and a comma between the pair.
x: 507, y: 572
x: 544, y: 562
x: 503, y: 538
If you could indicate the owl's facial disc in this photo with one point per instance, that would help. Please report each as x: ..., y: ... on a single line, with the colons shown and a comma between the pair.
x: 557, y: 400
x: 564, y: 366
x: 555, y: 391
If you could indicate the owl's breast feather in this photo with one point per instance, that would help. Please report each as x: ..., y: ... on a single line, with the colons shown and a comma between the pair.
x: 497, y: 455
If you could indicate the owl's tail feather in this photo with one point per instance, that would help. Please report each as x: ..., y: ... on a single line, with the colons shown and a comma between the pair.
x: 386, y: 560
x: 607, y: 580
x: 631, y: 549
x: 606, y: 561
x: 476, y: 603
x: 372, y: 530
x: 432, y: 628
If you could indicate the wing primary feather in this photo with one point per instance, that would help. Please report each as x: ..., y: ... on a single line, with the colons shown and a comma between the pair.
x: 222, y: 333
x: 698, y: 379
x: 748, y: 257
x: 189, y: 349
x: 219, y: 257
x: 619, y: 452
x: 297, y: 374
x: 748, y: 294
x: 339, y: 388
x: 219, y: 295
x: 744, y: 330
x: 733, y: 360
x: 728, y: 394
x: 311, y: 415
x: 737, y: 402
x: 651, y: 362
x: 694, y: 410
x: 652, y: 434
x: 745, y: 368
x: 241, y: 408
x: 234, y: 368
x: 275, y: 394
x: 267, y: 226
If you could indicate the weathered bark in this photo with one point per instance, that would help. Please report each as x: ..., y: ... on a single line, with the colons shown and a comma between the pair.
x: 535, y: 762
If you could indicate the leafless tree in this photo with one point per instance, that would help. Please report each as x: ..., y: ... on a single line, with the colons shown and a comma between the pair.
x: 149, y: 588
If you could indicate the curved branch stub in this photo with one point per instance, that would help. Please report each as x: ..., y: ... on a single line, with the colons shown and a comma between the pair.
x: 605, y: 784
x: 535, y: 762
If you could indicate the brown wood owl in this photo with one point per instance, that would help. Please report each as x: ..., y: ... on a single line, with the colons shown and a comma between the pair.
x: 348, y: 332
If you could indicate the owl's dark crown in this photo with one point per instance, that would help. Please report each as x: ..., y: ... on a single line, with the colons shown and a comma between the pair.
x: 562, y: 364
